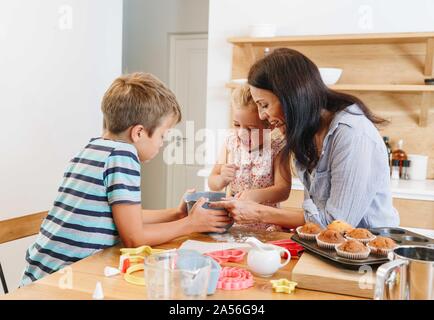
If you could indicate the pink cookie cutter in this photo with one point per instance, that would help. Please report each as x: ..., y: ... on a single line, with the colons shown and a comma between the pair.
x: 231, y: 255
x: 233, y: 278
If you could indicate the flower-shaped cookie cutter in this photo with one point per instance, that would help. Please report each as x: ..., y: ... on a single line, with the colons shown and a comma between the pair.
x: 231, y: 255
x: 233, y: 278
x: 293, y: 247
x: 283, y: 285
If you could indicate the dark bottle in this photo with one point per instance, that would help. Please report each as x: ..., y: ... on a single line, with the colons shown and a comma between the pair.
x: 399, y: 154
x: 389, y: 149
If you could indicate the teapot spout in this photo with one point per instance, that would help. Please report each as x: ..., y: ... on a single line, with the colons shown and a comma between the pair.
x: 255, y: 243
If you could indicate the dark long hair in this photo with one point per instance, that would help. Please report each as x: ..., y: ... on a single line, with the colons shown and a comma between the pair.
x: 296, y: 81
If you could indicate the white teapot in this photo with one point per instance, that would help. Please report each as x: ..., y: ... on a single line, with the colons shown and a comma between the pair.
x: 264, y: 259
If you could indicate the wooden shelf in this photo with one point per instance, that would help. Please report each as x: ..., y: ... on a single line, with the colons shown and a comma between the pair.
x: 232, y: 85
x: 383, y: 87
x: 409, y: 37
x: 427, y: 92
x: 369, y: 87
x: 425, y: 39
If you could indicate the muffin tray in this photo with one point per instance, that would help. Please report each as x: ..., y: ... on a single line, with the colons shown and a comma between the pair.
x: 400, y: 236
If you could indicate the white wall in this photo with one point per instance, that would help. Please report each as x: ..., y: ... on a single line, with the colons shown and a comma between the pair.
x: 229, y: 18
x: 147, y: 26
x: 57, y: 57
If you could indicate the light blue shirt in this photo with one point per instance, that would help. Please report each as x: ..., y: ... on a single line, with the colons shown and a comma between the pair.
x: 351, y: 181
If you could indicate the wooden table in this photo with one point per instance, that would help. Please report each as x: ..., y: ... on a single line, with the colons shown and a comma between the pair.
x: 87, y: 272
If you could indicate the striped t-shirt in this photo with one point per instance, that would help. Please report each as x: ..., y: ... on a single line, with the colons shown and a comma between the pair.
x: 104, y: 173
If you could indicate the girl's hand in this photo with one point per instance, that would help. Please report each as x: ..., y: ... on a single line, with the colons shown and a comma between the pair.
x: 242, y: 211
x: 182, y: 207
x: 206, y: 220
x: 228, y: 173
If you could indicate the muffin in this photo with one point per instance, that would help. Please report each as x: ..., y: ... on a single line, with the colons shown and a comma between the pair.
x: 308, y: 231
x: 353, y: 249
x: 381, y: 245
x: 359, y: 234
x: 340, y: 226
x: 328, y: 239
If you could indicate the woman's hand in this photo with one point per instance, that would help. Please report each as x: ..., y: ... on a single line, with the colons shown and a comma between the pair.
x: 242, y: 211
x: 206, y: 220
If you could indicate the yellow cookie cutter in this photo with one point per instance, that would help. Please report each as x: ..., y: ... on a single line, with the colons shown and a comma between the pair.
x: 140, y: 281
x: 145, y: 250
x: 283, y: 285
x: 137, y: 257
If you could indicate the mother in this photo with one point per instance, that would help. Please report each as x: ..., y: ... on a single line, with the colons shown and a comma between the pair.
x: 339, y: 154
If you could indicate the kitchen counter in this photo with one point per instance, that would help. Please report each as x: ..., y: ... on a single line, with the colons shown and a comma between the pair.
x: 87, y: 272
x: 401, y: 189
x: 413, y: 189
x: 90, y: 270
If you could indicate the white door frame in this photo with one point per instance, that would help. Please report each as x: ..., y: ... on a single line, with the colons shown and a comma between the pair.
x: 172, y: 61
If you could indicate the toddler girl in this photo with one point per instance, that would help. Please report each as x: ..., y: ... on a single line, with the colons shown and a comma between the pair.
x: 250, y: 163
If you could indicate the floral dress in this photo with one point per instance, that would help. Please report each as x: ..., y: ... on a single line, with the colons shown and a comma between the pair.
x: 255, y: 168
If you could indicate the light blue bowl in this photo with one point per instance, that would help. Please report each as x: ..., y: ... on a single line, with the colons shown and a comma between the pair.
x: 191, y: 198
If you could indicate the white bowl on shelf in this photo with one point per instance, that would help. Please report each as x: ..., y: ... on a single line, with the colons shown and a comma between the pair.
x: 263, y: 30
x: 330, y: 75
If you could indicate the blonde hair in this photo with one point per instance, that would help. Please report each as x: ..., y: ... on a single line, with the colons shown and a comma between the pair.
x: 138, y: 98
x: 242, y: 98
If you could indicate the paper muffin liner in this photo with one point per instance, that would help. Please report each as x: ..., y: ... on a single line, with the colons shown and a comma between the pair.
x: 364, y: 241
x: 325, y: 245
x: 353, y: 255
x: 380, y: 251
x: 305, y: 236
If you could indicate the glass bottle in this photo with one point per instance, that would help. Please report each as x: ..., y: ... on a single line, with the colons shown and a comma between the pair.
x: 389, y: 150
x: 395, y: 169
x: 405, y: 166
x: 399, y: 155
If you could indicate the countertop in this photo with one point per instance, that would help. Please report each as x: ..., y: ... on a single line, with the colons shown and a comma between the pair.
x: 402, y: 189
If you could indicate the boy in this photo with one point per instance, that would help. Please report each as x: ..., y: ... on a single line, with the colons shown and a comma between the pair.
x: 99, y: 200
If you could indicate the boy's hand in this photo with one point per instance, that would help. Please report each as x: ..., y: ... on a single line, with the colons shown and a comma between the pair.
x: 206, y: 220
x: 228, y: 173
x: 182, y: 207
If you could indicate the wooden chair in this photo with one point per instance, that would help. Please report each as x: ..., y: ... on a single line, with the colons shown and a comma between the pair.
x: 17, y: 228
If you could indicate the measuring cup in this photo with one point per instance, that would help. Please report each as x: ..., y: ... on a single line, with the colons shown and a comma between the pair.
x: 177, y: 275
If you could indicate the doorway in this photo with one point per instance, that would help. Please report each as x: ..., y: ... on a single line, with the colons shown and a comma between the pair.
x: 188, y: 80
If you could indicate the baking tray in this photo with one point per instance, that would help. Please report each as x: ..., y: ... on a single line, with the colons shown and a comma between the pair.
x: 400, y: 236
